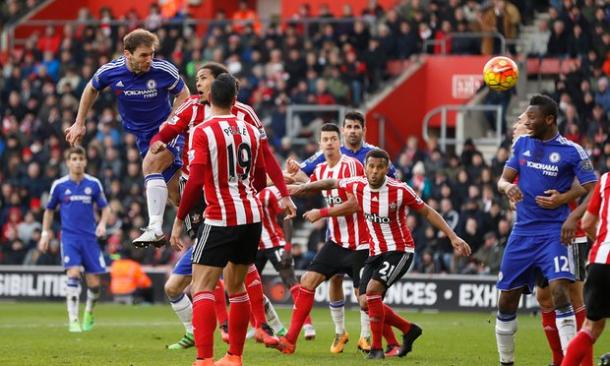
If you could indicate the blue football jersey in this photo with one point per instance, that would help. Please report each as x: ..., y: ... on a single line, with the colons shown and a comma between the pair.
x: 545, y: 165
x: 309, y: 165
x: 143, y: 99
x: 75, y: 202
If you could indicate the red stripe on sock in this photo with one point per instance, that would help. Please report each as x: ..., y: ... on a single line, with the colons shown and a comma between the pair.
x: 254, y: 286
x: 579, y: 347
x: 552, y: 335
x: 221, y: 303
x: 377, y: 317
x: 294, y: 292
x: 395, y: 320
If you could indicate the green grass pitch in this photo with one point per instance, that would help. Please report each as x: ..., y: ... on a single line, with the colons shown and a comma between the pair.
x: 36, y: 334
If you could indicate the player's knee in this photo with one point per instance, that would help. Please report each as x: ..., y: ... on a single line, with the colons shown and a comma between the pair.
x: 509, y: 301
x: 310, y: 280
x: 172, y: 291
x: 544, y: 299
x: 561, y: 296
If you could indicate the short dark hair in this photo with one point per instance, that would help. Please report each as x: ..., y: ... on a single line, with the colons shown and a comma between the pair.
x: 223, y: 91
x: 378, y: 154
x: 76, y: 150
x: 139, y: 37
x: 215, y: 68
x: 354, y: 116
x: 547, y: 105
x: 330, y: 127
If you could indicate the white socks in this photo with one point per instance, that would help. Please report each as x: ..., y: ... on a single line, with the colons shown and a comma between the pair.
x: 156, y: 198
x: 566, y: 325
x: 272, y: 318
x: 337, y: 312
x: 184, y: 309
x: 365, y: 324
x: 93, y: 294
x: 506, y: 327
x: 73, y: 290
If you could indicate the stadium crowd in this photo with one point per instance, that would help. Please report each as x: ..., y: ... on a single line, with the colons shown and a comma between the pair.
x: 338, y: 58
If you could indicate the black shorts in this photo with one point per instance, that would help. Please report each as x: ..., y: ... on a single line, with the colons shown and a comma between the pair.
x: 194, y: 219
x: 597, y: 288
x: 333, y: 259
x: 218, y: 245
x: 577, y: 258
x: 274, y: 255
x: 386, y: 268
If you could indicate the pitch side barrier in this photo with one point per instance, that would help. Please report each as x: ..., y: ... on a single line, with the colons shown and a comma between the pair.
x: 414, y: 291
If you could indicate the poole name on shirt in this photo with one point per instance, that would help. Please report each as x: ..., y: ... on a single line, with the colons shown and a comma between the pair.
x: 235, y: 130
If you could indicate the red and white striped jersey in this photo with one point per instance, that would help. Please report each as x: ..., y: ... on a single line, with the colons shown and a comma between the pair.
x: 231, y: 151
x: 385, y: 212
x: 598, y: 206
x: 193, y: 112
x: 346, y: 231
x: 272, y: 235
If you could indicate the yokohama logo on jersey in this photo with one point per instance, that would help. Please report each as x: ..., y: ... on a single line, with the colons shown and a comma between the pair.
x: 599, y: 206
x: 347, y: 231
x: 385, y: 210
x: 271, y: 235
x: 228, y: 151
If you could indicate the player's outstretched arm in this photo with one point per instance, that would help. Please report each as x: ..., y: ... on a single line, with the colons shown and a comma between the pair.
x: 47, y: 221
x: 568, y: 229
x: 433, y: 217
x: 76, y: 132
x: 294, y: 174
x: 506, y: 185
x: 300, y: 190
x: 181, y: 97
x: 346, y: 208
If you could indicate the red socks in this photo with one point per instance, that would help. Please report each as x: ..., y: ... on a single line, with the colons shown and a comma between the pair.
x: 552, y: 335
x: 579, y: 347
x: 302, y: 308
x: 238, y: 322
x: 254, y: 286
x: 221, y: 303
x: 580, y: 314
x: 395, y: 320
x: 376, y: 314
x: 294, y: 292
x: 389, y: 335
x: 204, y: 323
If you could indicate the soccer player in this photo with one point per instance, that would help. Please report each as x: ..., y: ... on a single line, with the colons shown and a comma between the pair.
x: 76, y: 194
x: 340, y: 254
x: 144, y: 86
x: 224, y: 157
x: 353, y: 131
x: 188, y: 116
x: 383, y: 201
x: 544, y: 160
x: 597, y: 286
x: 576, y: 255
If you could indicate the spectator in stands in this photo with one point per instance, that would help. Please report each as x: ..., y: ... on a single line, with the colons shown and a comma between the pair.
x: 539, y: 40
x: 487, y: 259
x: 602, y: 97
x: 499, y: 16
x: 558, y: 41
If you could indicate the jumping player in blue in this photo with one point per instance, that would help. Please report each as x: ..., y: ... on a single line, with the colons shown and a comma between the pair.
x: 75, y: 194
x: 144, y: 86
x: 544, y: 161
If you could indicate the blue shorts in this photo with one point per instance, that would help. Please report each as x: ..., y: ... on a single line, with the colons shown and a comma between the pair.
x: 86, y: 252
x: 175, y: 147
x: 183, y: 266
x: 525, y: 256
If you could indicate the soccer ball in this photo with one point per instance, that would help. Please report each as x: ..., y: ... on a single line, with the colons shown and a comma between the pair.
x: 500, y: 73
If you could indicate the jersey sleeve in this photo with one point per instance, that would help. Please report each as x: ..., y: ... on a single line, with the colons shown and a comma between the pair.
x: 411, y: 199
x: 100, y: 197
x: 101, y: 79
x: 309, y: 165
x: 176, y: 84
x: 349, y: 185
x: 54, y: 197
x: 359, y: 169
x: 583, y: 168
x: 513, y: 161
x: 272, y: 202
x: 250, y: 117
x: 314, y: 176
x: 596, y: 200
x: 199, y: 153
